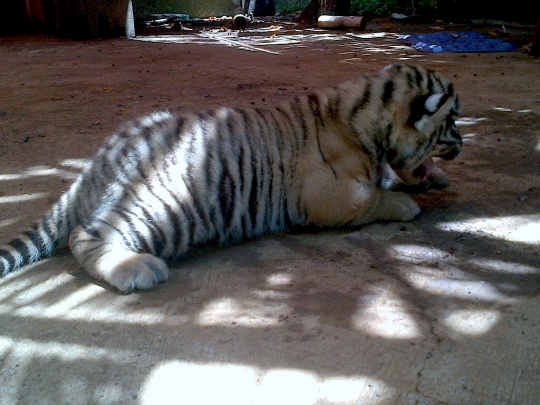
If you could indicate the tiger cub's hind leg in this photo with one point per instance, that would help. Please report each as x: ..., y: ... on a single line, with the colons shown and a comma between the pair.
x: 108, y: 259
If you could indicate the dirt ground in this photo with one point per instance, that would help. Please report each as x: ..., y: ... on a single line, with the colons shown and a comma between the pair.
x: 442, y: 310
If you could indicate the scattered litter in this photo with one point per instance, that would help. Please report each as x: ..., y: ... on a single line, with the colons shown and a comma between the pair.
x: 413, y: 18
x: 240, y: 21
x: 467, y: 41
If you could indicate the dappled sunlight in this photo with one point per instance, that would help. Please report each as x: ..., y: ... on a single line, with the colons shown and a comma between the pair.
x: 385, y: 317
x: 23, y: 355
x: 471, y: 322
x: 452, y: 281
x: 505, y: 109
x: 248, y: 313
x: 457, y: 287
x: 264, y: 341
x: 415, y: 253
x: 468, y: 137
x: 514, y: 228
x: 177, y: 382
x: 73, y: 303
x: 102, y: 314
x: 78, y: 164
x: 26, y: 351
x: 74, y: 166
x: 39, y: 171
x: 279, y: 279
x: 468, y: 121
x: 9, y: 222
x: 503, y: 266
x: 8, y: 199
x: 26, y: 295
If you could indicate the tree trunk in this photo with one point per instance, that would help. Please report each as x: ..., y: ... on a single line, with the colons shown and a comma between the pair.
x: 535, y: 49
x: 34, y: 11
x: 259, y: 7
x: 334, y: 7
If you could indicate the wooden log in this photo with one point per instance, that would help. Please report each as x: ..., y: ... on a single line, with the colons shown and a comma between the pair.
x: 315, y: 8
x: 337, y: 22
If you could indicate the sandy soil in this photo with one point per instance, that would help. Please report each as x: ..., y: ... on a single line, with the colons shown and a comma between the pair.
x: 316, y: 301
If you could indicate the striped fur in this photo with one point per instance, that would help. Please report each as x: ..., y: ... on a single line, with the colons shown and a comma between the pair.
x: 166, y: 183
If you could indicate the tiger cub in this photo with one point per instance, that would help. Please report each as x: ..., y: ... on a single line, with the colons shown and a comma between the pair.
x: 166, y: 183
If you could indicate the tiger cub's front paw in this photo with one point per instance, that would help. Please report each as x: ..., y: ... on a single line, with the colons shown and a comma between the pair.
x: 436, y: 179
x: 396, y: 206
x: 137, y: 271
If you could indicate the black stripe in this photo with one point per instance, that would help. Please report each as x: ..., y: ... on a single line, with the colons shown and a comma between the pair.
x: 45, y: 228
x: 201, y: 211
x: 410, y: 80
x: 137, y: 239
x: 128, y: 243
x: 176, y: 219
x: 431, y: 84
x: 36, y: 239
x: 299, y: 115
x: 380, y: 143
x: 158, y: 237
x: 275, y: 155
x: 289, y: 124
x: 315, y: 105
x: 253, y: 200
x: 443, y: 100
x: 418, y: 109
x: 20, y: 247
x: 209, y: 164
x: 334, y: 105
x: 324, y: 157
x: 239, y: 149
x: 361, y: 101
x: 91, y: 258
x: 227, y: 190
x: 387, y: 92
x: 173, y: 136
x: 419, y: 77
x: 9, y: 257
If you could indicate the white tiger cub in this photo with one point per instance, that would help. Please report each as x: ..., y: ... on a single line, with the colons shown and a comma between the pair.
x: 166, y: 183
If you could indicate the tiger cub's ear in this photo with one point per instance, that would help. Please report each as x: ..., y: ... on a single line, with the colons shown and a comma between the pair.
x: 429, y: 110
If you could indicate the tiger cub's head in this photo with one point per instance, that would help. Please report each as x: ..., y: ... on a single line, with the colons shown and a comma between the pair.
x: 425, y: 110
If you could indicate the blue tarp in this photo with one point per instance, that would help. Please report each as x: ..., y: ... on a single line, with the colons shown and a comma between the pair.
x: 455, y: 42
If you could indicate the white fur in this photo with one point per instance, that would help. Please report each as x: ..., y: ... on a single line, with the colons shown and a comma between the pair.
x: 425, y: 125
x: 432, y: 102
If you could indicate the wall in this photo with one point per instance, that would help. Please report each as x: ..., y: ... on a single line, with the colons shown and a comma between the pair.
x: 193, y: 8
x: 82, y: 19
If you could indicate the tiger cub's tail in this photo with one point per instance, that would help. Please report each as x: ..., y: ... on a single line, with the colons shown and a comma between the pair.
x: 42, y: 238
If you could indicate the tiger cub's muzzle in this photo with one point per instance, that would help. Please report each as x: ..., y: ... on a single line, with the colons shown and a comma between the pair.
x: 452, y: 153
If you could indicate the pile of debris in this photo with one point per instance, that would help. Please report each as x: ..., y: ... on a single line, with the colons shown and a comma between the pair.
x: 159, y: 24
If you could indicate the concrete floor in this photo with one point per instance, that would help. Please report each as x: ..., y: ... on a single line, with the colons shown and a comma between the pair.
x: 443, y: 310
